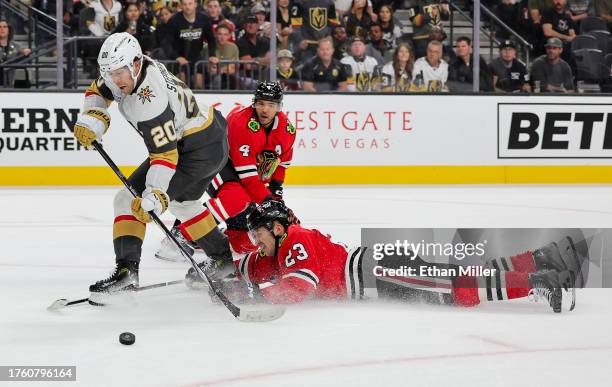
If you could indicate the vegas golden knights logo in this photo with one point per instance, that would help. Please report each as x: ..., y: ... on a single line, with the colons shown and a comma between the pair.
x: 318, y: 18
x: 362, y: 82
x: 403, y: 84
x: 109, y: 23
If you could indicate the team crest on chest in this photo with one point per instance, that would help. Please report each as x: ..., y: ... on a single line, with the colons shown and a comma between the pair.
x: 318, y: 18
x: 290, y: 128
x: 145, y: 94
x: 253, y: 125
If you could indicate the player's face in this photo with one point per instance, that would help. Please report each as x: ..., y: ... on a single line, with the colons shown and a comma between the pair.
x: 122, y: 78
x: 265, y: 240
x: 266, y: 111
x: 508, y: 54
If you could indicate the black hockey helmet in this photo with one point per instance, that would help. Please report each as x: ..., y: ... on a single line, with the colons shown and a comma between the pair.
x: 269, y: 91
x: 266, y: 213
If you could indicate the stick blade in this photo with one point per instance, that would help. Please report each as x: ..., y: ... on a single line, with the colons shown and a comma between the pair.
x: 261, y: 315
x: 58, y: 304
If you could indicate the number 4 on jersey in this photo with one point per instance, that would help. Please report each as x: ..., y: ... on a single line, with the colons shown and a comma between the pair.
x: 301, y: 254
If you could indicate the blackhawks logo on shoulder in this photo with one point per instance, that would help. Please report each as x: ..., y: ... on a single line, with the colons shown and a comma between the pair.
x: 290, y: 127
x: 145, y: 94
x: 253, y: 125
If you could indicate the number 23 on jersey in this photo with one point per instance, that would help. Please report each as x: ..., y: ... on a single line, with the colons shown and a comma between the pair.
x: 296, y: 253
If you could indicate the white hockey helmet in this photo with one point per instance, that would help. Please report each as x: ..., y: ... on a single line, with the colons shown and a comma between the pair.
x: 119, y: 50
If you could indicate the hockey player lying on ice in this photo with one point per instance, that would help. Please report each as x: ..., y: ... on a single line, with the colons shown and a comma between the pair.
x: 294, y: 264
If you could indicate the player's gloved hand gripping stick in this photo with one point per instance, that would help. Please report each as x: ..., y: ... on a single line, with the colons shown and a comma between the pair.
x: 271, y: 312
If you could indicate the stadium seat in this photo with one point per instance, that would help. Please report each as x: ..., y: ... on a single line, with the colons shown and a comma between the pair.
x: 584, y: 42
x: 592, y: 23
x: 603, y: 37
x: 589, y: 64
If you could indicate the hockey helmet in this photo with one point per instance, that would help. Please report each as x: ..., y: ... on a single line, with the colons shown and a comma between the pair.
x: 119, y: 51
x: 266, y: 213
x: 269, y: 91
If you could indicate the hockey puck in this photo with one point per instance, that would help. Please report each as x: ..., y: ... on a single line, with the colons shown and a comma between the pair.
x: 127, y: 338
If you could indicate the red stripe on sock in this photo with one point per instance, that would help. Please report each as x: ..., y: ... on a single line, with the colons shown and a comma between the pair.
x: 214, y: 205
x: 164, y: 163
x: 517, y: 284
x: 524, y: 262
x: 121, y: 218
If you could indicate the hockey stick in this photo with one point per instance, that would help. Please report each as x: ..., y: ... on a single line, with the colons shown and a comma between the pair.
x: 62, y: 302
x: 261, y: 315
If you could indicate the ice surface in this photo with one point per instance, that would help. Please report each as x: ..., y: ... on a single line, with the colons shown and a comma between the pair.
x: 55, y: 242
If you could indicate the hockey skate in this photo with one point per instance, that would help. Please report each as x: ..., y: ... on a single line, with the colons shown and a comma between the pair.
x: 123, y: 280
x: 168, y: 251
x: 549, y: 285
x: 216, y: 269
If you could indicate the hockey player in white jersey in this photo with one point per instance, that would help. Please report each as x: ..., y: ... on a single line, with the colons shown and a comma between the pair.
x: 362, y: 67
x: 187, y: 147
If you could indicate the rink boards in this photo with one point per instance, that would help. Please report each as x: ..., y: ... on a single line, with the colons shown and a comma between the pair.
x: 348, y: 139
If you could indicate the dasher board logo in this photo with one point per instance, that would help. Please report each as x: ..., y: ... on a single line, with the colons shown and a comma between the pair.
x: 554, y: 131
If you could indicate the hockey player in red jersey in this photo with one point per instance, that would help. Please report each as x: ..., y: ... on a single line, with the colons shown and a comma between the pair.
x: 295, y: 264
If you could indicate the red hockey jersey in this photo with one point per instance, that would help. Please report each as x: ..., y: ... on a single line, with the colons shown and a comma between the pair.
x: 307, y: 265
x: 247, y: 139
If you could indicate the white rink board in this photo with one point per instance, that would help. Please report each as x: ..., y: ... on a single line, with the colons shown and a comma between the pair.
x: 337, y: 130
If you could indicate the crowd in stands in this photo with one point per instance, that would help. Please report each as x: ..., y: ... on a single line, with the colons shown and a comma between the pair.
x: 357, y: 45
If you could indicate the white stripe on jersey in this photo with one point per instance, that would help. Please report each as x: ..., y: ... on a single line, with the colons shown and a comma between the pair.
x: 302, y: 276
x: 247, y: 174
x: 245, y: 168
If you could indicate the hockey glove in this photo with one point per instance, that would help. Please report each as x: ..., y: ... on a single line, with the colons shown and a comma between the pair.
x: 91, y: 125
x: 152, y: 200
x: 276, y: 188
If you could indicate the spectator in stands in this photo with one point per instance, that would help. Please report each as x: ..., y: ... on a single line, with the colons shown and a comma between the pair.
x: 578, y: 10
x: 106, y: 17
x: 431, y: 72
x: 509, y: 12
x: 603, y: 9
x: 163, y: 35
x: 378, y: 48
x: 311, y: 21
x: 531, y: 24
x: 425, y: 14
x: 223, y: 76
x: 323, y: 72
x: 9, y: 50
x: 509, y: 75
x: 397, y: 74
x: 146, y: 12
x: 550, y: 73
x: 341, y: 42
x: 361, y: 77
x: 460, y: 71
x: 173, y: 5
x: 556, y: 23
x: 283, y: 23
x: 391, y: 31
x: 285, y: 73
x: 190, y: 30
x: 214, y: 12
x: 358, y: 20
x: 133, y: 23
x: 260, y: 12
x: 253, y: 47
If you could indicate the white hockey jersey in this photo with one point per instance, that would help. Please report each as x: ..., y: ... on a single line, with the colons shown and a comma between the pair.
x: 106, y: 20
x: 389, y: 81
x: 362, y: 78
x: 161, y: 108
